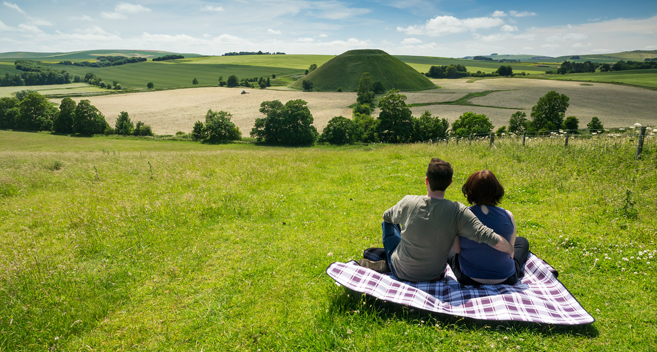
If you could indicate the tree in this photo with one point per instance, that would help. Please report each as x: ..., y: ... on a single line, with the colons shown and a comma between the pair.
x: 364, y: 109
x: 63, y: 122
x: 273, y: 76
x: 142, y: 129
x: 36, y: 113
x: 428, y: 127
x: 118, y: 86
x: 307, y: 85
x: 150, y: 85
x: 289, y: 124
x: 195, y: 81
x: 23, y: 93
x: 123, y: 124
x: 518, y: 122
x: 340, y: 130
x: 505, y: 70
x: 312, y: 67
x: 500, y: 131
x: 263, y: 85
x: 88, y: 120
x: 571, y: 123
x: 367, y: 128
x: 365, y: 93
x: 198, y: 132
x: 595, y: 124
x: 549, y: 112
x: 8, y: 110
x: 378, y: 88
x: 470, y: 123
x: 395, y: 119
x: 232, y: 81
x: 218, y: 127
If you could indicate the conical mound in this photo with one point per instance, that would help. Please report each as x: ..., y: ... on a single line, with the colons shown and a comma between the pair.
x: 344, y: 71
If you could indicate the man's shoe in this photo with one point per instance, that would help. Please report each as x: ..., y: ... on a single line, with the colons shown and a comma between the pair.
x: 380, y: 266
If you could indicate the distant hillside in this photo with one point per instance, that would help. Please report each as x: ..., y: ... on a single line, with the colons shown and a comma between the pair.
x: 344, y: 71
x: 87, y: 55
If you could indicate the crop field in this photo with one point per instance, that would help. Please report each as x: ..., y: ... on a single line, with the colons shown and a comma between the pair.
x: 640, y: 78
x: 423, y: 63
x: 59, y: 89
x: 177, y: 110
x: 130, y: 244
x: 299, y: 62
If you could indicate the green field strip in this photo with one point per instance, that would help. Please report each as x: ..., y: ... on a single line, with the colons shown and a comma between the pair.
x: 298, y: 62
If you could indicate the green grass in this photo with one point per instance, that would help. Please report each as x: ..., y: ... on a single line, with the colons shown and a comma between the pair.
x: 299, y: 62
x: 639, y: 78
x: 126, y: 244
x: 167, y: 75
x: 55, y: 90
x: 423, y: 63
x: 345, y: 71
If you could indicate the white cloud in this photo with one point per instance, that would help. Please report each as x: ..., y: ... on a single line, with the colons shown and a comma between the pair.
x: 271, y: 31
x: 80, y: 18
x: 650, y: 47
x: 522, y: 14
x: 508, y: 28
x: 550, y: 46
x: 580, y: 45
x: 113, y: 15
x: 125, y: 7
x: 411, y: 41
x: 333, y: 10
x: 528, y: 48
x: 569, y: 36
x: 323, y: 35
x: 28, y: 28
x: 14, y: 7
x: 498, y: 14
x: 5, y: 28
x: 213, y: 8
x: 305, y: 40
x: 449, y: 24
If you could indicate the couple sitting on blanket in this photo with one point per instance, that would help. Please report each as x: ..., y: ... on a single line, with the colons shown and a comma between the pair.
x: 479, y: 243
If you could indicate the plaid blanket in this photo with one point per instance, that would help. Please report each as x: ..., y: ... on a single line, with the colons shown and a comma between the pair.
x: 539, y: 297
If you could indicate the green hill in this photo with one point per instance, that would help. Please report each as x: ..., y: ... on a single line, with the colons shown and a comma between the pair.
x: 86, y: 55
x: 345, y: 71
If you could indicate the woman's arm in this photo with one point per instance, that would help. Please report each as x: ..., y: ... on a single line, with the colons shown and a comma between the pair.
x: 457, y: 245
x: 513, y: 236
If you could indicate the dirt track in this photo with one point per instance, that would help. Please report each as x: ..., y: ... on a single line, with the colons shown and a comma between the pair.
x: 177, y: 110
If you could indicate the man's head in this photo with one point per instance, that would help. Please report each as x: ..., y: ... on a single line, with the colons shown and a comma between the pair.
x: 439, y: 174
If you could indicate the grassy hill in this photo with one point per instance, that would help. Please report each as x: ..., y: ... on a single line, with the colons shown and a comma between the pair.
x: 86, y: 55
x: 345, y: 71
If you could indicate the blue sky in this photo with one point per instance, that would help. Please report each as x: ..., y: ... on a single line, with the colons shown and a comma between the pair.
x: 413, y: 27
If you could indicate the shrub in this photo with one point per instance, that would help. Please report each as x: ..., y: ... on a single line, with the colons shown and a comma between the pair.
x: 123, y: 124
x: 289, y: 124
x: 378, y: 88
x: 518, y: 122
x: 23, y: 93
x: 118, y: 86
x: 142, y: 129
x: 339, y: 89
x: 198, y: 132
x: 500, y: 131
x: 395, y: 119
x: 364, y: 92
x: 195, y: 81
x: 218, y: 127
x: 150, y: 85
x: 263, y: 85
x: 595, y: 124
x: 362, y: 109
x: 470, y: 123
x: 340, y: 130
x: 571, y: 123
x: 307, y: 85
x: 232, y: 81
x: 63, y: 122
x: 367, y: 128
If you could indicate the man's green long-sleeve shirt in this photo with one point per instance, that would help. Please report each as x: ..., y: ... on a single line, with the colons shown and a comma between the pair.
x: 429, y: 227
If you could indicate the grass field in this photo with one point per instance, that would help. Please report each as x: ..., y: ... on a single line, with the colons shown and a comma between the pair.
x: 299, y: 62
x: 639, y: 78
x: 124, y: 244
x: 423, y: 63
x: 56, y: 89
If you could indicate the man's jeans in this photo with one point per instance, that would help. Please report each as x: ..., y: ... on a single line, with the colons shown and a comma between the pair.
x: 391, y: 239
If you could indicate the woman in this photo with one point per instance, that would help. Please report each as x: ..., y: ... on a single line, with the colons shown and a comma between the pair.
x: 477, y: 263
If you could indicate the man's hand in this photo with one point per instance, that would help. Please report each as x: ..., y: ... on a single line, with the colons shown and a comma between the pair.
x: 504, y: 246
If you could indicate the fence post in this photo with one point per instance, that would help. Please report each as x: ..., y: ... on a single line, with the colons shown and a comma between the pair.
x: 639, y: 148
x: 457, y: 140
x: 567, y: 136
x: 492, y: 139
x: 447, y: 141
x: 524, y: 135
x: 470, y: 142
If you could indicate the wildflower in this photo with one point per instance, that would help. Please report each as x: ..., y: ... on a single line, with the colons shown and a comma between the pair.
x: 349, y: 331
x: 330, y: 254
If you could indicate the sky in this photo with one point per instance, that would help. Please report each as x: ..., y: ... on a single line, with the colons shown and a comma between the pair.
x: 454, y: 28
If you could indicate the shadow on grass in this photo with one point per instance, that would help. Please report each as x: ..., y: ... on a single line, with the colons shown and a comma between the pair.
x: 347, y: 302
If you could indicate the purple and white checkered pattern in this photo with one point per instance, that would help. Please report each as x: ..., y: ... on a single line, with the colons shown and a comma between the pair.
x: 539, y: 297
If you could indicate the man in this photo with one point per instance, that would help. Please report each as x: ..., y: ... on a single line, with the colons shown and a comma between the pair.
x: 418, y: 250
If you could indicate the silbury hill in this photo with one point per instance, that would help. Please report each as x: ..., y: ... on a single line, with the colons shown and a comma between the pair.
x: 344, y: 71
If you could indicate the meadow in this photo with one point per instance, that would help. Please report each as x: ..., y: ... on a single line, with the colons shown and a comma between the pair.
x: 131, y: 244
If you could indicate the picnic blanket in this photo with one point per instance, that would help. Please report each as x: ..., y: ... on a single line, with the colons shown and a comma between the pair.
x: 539, y: 297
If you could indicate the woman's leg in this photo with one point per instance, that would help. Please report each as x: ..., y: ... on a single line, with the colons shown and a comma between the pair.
x: 520, y: 255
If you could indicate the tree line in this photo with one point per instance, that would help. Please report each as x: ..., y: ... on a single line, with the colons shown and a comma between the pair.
x: 168, y: 57
x: 588, y: 66
x: 106, y: 61
x: 31, y: 111
x: 460, y: 71
x: 234, y: 53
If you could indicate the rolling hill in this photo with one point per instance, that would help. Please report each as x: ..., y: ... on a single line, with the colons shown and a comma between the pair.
x: 344, y: 71
x: 86, y: 55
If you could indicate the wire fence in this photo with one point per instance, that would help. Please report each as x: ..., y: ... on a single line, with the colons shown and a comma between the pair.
x: 563, y: 137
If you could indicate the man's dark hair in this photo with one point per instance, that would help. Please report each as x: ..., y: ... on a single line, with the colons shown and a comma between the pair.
x: 483, y: 188
x: 439, y: 174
